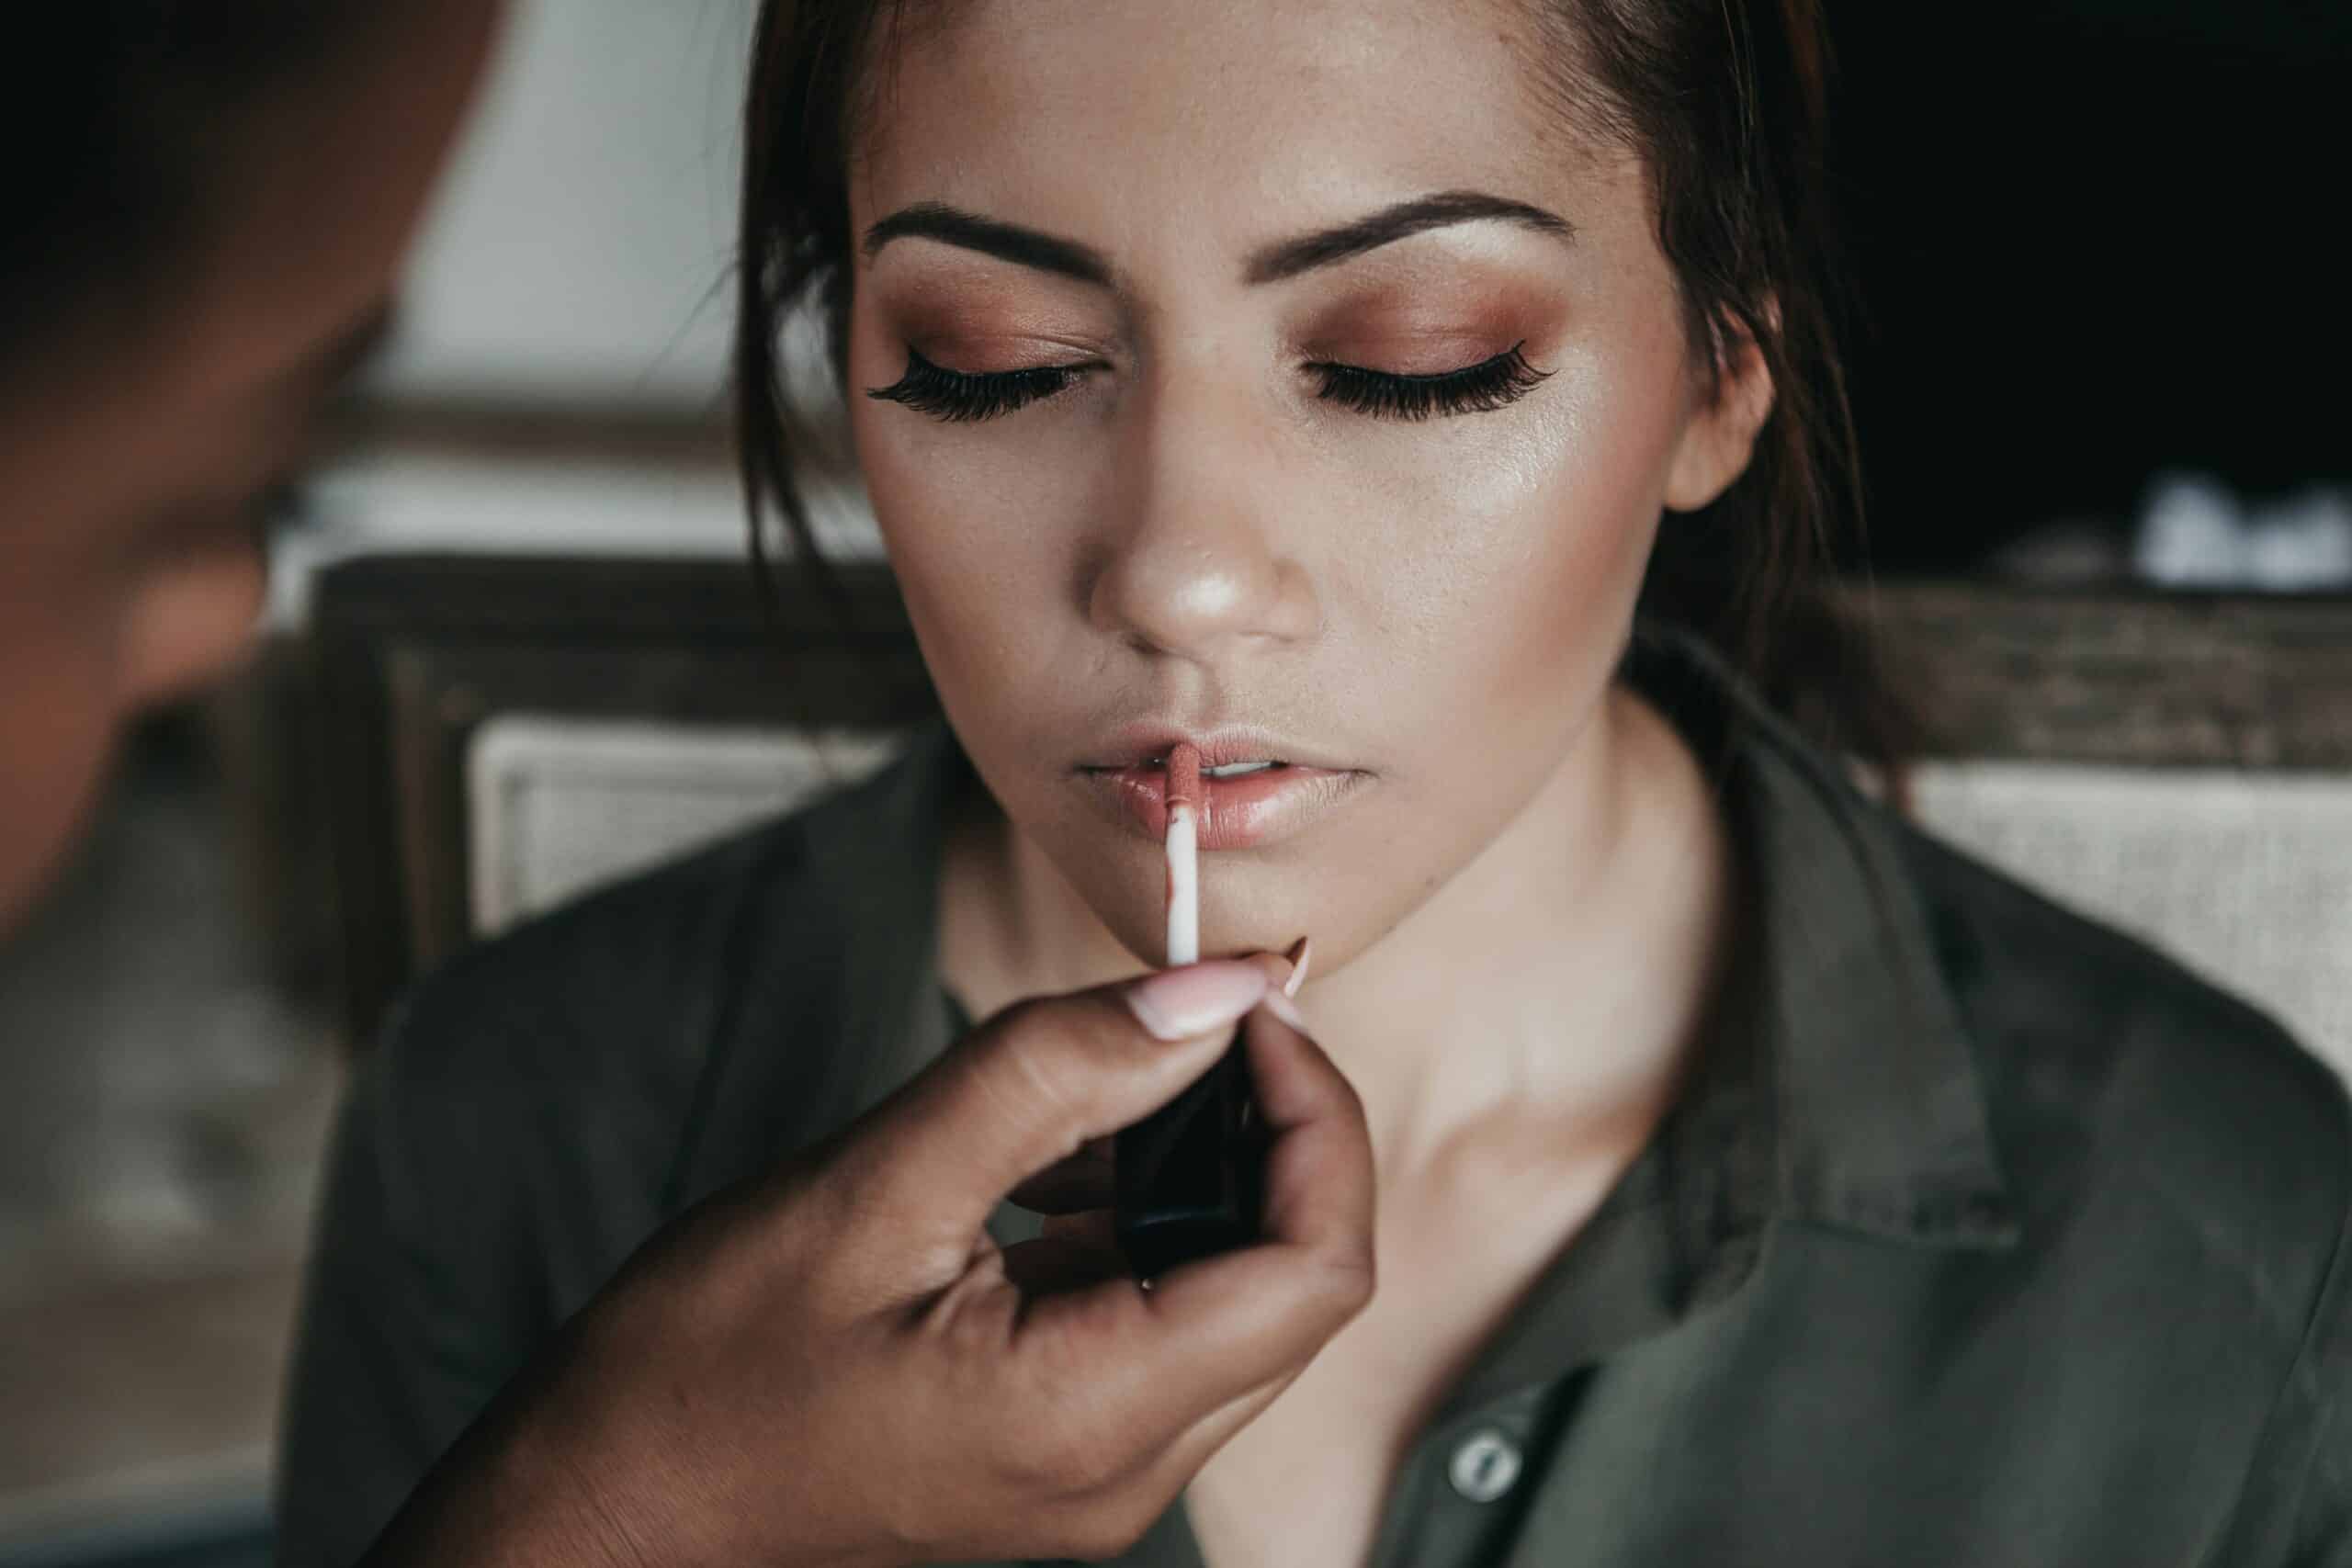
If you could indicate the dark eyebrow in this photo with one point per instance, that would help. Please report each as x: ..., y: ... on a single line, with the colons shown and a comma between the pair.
x: 1024, y: 247
x: 1049, y: 253
x: 1290, y: 257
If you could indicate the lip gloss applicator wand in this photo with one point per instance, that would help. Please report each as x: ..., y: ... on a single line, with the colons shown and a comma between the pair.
x: 1190, y: 1176
x: 1183, y: 854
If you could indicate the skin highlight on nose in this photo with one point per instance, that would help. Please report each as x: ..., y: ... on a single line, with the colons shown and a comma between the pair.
x: 1195, y: 607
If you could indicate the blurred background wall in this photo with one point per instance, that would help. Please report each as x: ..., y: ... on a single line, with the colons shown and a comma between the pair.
x: 583, y: 243
x: 2101, y: 342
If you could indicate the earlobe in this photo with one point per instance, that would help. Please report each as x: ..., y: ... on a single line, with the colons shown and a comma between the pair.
x: 1720, y: 439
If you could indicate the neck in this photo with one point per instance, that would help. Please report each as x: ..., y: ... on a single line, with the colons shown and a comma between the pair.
x: 1561, y: 975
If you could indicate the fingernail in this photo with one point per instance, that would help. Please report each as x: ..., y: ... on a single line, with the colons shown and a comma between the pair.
x: 1300, y: 951
x: 1183, y: 1004
x: 1279, y: 1003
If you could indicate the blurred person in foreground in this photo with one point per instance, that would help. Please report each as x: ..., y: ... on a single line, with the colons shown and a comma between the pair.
x: 207, y: 202
x: 1422, y: 407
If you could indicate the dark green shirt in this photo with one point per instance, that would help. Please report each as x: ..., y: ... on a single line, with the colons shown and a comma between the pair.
x: 1983, y: 1235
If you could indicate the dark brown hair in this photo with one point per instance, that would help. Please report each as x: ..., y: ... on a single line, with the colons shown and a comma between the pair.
x: 119, y: 121
x: 1726, y: 103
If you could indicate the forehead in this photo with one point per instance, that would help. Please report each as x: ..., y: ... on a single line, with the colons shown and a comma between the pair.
x: 1125, y: 121
x: 324, y: 192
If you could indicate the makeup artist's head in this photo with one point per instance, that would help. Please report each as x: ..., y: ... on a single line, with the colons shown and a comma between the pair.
x: 1335, y: 371
x: 207, y: 201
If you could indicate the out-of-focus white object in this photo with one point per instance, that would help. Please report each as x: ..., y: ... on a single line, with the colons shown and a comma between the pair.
x: 2196, y: 532
x: 396, y: 503
x: 561, y: 805
x: 2302, y: 543
x: 2245, y: 877
x: 2192, y: 533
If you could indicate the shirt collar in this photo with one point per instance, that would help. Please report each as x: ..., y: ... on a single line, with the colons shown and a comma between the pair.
x: 1880, y: 1116
x: 1835, y: 1088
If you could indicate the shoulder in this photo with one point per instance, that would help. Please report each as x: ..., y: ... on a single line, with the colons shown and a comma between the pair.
x: 628, y: 986
x: 514, y: 1126
x: 542, y: 1088
x: 2121, y: 1085
x: 620, y: 982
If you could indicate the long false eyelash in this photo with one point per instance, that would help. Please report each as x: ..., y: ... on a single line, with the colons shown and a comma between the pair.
x: 1474, y: 388
x: 960, y: 397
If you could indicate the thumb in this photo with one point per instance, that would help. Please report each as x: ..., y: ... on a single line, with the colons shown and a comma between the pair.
x: 1031, y: 1085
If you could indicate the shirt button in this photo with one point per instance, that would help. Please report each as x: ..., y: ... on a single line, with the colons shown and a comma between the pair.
x: 1485, y: 1466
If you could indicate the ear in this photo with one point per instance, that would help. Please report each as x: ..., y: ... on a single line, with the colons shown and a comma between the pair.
x: 1719, y: 437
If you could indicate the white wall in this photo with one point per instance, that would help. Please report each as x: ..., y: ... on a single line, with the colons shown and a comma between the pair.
x: 579, y: 250
x: 578, y: 253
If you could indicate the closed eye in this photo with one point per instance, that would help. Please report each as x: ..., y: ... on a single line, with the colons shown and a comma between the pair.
x: 963, y: 397
x: 1482, y: 387
x: 960, y: 397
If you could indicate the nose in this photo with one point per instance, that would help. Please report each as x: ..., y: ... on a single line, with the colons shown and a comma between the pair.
x: 1201, y: 563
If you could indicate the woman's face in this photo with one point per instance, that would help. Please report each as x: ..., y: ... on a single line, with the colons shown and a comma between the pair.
x: 131, y: 461
x: 1287, y: 378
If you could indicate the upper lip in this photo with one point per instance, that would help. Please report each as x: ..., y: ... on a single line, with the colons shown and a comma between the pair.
x: 1149, y: 745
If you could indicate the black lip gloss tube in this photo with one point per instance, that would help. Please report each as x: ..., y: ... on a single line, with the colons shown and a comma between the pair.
x: 1191, y: 1176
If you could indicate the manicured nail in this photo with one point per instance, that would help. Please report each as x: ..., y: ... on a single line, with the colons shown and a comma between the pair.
x: 1300, y: 951
x: 1278, y: 1002
x: 1184, y: 1004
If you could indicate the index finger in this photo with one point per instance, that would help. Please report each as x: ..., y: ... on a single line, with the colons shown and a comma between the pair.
x: 1033, y: 1084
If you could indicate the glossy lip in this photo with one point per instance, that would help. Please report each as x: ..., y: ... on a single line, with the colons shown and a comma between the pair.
x: 1131, y: 785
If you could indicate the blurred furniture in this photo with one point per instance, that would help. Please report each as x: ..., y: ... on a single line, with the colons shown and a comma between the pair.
x: 608, y: 713
x: 140, y: 1413
x: 555, y: 806
x: 2178, y: 766
x: 506, y: 733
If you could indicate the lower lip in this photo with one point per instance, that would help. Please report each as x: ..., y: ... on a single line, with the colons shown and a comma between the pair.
x: 1236, y: 813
